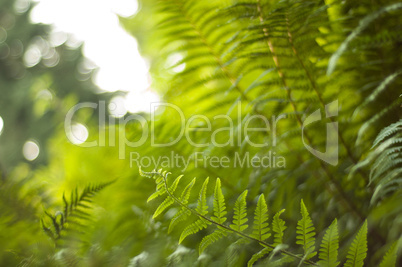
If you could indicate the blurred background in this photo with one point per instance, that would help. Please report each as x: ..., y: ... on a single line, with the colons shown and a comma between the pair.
x: 54, y: 54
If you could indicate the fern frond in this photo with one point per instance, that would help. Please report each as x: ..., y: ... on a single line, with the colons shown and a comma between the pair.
x: 278, y: 226
x: 387, y: 132
x: 364, y: 23
x: 219, y: 217
x: 358, y: 250
x: 305, y: 233
x: 240, y: 213
x: 260, y: 227
x: 219, y: 204
x: 74, y: 211
x: 329, y: 247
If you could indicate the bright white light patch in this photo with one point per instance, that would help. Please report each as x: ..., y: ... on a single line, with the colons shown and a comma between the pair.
x: 78, y: 135
x: 30, y: 150
x: 1, y: 125
x: 117, y: 108
x: 141, y: 101
x: 109, y: 46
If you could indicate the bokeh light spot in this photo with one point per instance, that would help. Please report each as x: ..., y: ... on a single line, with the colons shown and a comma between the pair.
x: 32, y: 56
x: 117, y: 107
x: 30, y: 150
x: 79, y: 134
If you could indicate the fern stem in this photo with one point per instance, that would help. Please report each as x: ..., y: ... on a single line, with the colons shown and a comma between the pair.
x: 264, y: 244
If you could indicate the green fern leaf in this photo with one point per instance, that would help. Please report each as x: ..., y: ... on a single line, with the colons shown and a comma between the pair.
x: 219, y: 204
x: 305, y: 233
x: 364, y: 23
x: 202, y: 207
x: 240, y: 213
x: 389, y: 259
x: 183, y: 214
x: 156, y: 194
x: 329, y: 247
x: 193, y: 228
x: 261, y: 229
x: 180, y: 216
x: 278, y: 226
x: 163, y: 206
x: 258, y: 256
x: 73, y: 213
x: 358, y: 250
x: 185, y: 195
x: 212, y: 238
x: 174, y: 185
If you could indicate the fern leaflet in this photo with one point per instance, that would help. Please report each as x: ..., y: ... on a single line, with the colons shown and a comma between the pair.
x: 219, y: 204
x: 212, y: 238
x: 258, y: 256
x: 305, y: 233
x: 193, y: 228
x: 390, y: 257
x: 329, y: 247
x: 261, y: 229
x: 278, y: 226
x: 240, y: 213
x: 358, y: 250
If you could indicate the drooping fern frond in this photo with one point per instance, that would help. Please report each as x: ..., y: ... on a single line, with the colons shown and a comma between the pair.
x: 219, y: 216
x: 74, y: 213
x: 385, y: 162
x: 328, y: 253
x: 329, y: 247
x: 358, y: 250
x: 305, y: 233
